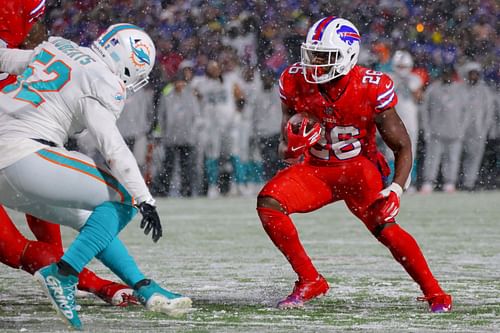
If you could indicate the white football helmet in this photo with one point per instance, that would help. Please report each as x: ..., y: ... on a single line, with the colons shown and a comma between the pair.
x: 129, y: 52
x: 402, y: 62
x: 331, y: 49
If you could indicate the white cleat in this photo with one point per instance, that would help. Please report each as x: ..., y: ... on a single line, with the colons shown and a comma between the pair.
x: 172, y: 307
x: 158, y: 299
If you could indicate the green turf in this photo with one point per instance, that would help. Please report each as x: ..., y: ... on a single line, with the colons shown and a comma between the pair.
x: 217, y: 253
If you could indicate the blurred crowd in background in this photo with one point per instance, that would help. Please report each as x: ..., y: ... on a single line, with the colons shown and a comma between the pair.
x: 447, y: 71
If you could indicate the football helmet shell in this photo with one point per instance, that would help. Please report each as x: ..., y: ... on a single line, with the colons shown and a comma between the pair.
x: 402, y: 62
x: 331, y: 49
x: 129, y: 52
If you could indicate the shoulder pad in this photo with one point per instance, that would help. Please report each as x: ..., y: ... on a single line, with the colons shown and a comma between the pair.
x: 110, y: 91
x: 288, y: 82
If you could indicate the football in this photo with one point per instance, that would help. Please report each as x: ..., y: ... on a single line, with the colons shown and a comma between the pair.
x: 296, y: 120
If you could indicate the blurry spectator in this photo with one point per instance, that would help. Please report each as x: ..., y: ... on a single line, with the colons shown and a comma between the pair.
x: 438, y: 33
x: 490, y: 170
x: 135, y: 122
x: 408, y: 87
x: 478, y: 101
x: 187, y: 69
x: 250, y: 85
x: 267, y: 124
x: 443, y: 117
x: 242, y: 37
x: 178, y: 111
x: 383, y: 53
x: 221, y: 99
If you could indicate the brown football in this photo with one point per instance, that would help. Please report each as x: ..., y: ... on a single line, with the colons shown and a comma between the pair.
x: 296, y: 120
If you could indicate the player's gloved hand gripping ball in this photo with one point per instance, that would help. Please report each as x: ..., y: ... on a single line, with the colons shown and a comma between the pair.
x: 302, y: 132
x: 150, y: 220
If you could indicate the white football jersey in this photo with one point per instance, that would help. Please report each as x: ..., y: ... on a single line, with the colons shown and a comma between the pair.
x: 63, y: 90
x: 218, y: 96
x: 48, y: 94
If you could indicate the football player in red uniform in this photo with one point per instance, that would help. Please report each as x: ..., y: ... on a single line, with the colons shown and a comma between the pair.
x: 337, y: 159
x: 18, y: 19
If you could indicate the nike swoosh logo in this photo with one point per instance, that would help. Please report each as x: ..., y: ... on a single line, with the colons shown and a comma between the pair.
x: 294, y: 149
x: 388, y: 85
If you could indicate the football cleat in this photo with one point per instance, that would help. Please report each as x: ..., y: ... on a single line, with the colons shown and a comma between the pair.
x: 304, y: 291
x: 438, y: 303
x: 61, y: 291
x: 117, y: 294
x: 157, y: 299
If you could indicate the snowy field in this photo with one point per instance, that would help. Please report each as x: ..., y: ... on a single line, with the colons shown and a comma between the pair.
x: 217, y: 253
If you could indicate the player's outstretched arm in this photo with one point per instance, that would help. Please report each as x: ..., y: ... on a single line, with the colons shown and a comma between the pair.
x: 394, y: 133
x: 14, y: 61
x: 101, y: 124
x: 396, y: 137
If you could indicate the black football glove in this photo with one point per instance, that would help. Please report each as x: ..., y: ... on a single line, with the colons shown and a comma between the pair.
x: 150, y: 220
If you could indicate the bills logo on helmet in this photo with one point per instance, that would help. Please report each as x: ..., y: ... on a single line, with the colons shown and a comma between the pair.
x: 140, y: 53
x: 348, y: 35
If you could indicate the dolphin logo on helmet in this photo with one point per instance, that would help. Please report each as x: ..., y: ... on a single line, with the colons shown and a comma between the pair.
x: 129, y: 53
x: 139, y: 55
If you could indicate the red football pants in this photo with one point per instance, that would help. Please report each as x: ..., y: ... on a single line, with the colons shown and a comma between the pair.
x: 304, y: 188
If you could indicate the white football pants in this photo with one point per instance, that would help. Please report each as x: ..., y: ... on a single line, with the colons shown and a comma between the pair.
x: 59, y: 186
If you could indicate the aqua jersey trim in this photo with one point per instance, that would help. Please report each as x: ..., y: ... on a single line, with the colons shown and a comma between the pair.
x: 116, y: 29
x: 88, y: 169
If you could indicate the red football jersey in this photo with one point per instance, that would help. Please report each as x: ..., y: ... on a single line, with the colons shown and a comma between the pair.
x: 16, y: 20
x: 345, y: 107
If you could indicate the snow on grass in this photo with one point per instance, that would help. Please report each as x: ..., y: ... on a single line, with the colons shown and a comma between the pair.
x: 216, y: 252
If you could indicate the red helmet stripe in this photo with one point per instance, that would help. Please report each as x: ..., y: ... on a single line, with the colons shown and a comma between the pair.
x: 318, y: 33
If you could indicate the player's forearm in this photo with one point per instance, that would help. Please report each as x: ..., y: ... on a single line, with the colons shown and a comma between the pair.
x: 101, y: 125
x: 14, y: 61
x: 403, y: 162
x: 124, y: 166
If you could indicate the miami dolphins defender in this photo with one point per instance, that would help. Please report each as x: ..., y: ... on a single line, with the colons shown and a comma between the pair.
x: 63, y: 89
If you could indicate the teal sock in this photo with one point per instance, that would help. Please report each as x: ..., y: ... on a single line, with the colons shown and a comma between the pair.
x: 256, y: 172
x: 212, y: 167
x: 414, y: 171
x: 239, y: 169
x: 101, y: 228
x: 392, y: 166
x: 120, y: 262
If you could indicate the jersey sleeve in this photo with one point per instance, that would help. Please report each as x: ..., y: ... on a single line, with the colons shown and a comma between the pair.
x: 15, y: 61
x: 33, y: 10
x: 385, y: 96
x: 287, y: 86
x: 101, y: 125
